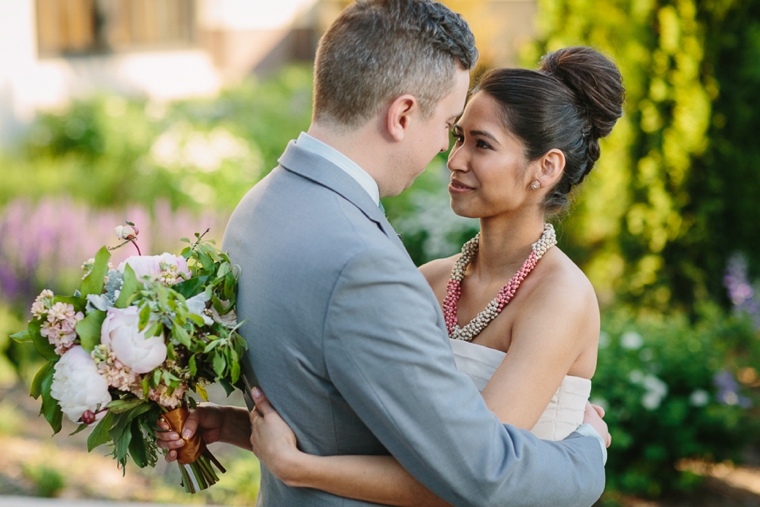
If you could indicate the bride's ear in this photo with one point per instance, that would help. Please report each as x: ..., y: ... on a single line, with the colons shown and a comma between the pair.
x: 399, y: 116
x: 551, y: 168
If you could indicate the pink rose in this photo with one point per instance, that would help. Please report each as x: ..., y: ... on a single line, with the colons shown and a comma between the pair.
x: 157, y: 267
x: 131, y: 347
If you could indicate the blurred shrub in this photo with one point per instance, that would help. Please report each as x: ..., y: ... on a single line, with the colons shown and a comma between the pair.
x: 671, y: 392
x: 676, y: 184
x: 199, y: 154
x: 48, y: 481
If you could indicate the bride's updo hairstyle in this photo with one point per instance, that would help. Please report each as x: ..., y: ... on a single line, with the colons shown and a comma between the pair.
x: 571, y: 102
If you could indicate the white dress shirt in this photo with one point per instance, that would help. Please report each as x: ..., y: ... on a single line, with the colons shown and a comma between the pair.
x: 350, y: 167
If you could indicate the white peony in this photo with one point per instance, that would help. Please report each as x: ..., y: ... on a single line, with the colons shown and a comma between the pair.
x: 77, y: 385
x: 121, y: 333
x: 154, y: 266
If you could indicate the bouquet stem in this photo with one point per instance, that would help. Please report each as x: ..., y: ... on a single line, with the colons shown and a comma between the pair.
x: 200, y: 474
x: 194, y: 459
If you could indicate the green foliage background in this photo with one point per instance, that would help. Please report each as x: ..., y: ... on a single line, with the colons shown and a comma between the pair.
x: 673, y: 194
x: 672, y: 197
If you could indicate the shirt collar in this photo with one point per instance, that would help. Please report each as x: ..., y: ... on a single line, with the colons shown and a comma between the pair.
x: 362, y: 177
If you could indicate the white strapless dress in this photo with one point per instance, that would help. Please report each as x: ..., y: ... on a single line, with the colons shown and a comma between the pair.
x: 565, y: 411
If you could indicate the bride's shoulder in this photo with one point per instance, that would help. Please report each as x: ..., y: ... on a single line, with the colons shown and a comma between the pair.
x: 438, y: 271
x: 563, y: 279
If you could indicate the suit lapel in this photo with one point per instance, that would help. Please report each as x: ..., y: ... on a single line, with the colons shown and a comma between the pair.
x: 323, y: 172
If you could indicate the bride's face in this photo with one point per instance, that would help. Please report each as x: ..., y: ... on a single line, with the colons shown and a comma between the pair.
x: 490, y: 174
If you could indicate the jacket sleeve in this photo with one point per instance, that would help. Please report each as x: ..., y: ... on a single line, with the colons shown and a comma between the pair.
x: 389, y: 358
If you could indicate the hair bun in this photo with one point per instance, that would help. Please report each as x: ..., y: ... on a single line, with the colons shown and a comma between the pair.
x: 594, y: 79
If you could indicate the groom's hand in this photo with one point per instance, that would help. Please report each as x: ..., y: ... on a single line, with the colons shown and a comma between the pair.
x: 593, y: 416
x: 214, y: 423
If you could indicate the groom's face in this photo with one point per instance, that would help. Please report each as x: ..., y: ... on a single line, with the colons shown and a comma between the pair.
x: 431, y: 136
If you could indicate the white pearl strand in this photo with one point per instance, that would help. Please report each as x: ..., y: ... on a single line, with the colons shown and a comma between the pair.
x: 547, y: 240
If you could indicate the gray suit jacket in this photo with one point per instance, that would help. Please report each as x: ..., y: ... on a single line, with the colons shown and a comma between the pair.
x: 347, y: 340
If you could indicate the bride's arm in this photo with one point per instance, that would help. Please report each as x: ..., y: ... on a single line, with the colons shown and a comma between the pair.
x: 558, y: 337
x: 377, y: 479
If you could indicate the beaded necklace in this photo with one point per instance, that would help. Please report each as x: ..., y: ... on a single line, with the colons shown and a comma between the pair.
x: 493, y: 309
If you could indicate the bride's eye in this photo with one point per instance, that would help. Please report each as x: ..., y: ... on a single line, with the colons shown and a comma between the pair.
x: 483, y: 144
x: 458, y: 138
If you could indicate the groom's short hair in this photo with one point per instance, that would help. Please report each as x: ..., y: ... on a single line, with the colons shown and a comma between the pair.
x: 380, y: 49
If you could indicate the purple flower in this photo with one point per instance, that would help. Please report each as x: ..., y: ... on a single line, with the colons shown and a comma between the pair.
x: 728, y: 390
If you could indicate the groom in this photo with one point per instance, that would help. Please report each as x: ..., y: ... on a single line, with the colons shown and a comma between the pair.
x: 345, y: 336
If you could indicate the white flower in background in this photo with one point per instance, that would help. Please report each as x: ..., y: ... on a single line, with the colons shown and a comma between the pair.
x: 651, y: 400
x: 77, y: 385
x: 158, y: 267
x: 699, y: 398
x: 131, y: 347
x: 601, y: 402
x: 635, y: 376
x: 631, y: 340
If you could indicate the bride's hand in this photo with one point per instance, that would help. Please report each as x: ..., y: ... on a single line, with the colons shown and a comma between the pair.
x: 272, y: 440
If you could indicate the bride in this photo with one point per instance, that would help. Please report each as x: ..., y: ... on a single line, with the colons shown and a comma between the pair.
x: 525, y: 140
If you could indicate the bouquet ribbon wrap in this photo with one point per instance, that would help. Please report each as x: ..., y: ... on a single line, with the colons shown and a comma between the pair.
x: 194, y: 446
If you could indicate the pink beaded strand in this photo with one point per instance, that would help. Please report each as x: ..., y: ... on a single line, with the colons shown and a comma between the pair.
x: 502, y: 299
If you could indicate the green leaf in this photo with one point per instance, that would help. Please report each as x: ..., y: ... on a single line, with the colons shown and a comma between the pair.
x: 181, y: 335
x: 196, y: 319
x: 88, y: 329
x: 100, y: 435
x: 144, y: 316
x: 211, y: 346
x: 79, y: 429
x: 119, y: 406
x: 137, y: 447
x: 129, y: 288
x: 156, y: 377
x: 146, y: 386
x: 193, y: 366
x: 21, y: 337
x: 50, y: 408
x: 79, y: 304
x: 47, y: 370
x: 43, y: 346
x: 234, y: 366
x: 192, y: 287
x: 93, y: 282
x: 230, y: 285
x: 155, y: 329
x: 219, y: 363
x: 228, y: 388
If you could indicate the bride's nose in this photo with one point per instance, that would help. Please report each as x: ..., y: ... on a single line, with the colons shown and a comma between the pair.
x: 457, y: 159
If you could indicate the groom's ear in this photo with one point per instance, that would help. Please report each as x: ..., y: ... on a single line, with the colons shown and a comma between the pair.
x: 399, y: 116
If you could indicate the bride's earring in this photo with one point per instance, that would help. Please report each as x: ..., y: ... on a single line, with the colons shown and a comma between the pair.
x: 535, y: 185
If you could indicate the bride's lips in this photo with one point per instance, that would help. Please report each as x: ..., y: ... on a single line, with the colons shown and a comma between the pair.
x: 456, y: 187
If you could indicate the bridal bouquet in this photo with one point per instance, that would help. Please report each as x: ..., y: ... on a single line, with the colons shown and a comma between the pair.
x: 128, y: 347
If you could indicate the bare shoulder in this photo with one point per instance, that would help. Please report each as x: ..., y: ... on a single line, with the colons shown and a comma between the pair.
x: 565, y: 294
x: 437, y: 272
